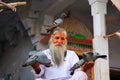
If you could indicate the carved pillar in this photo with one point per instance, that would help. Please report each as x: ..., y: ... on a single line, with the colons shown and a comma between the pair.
x: 100, y: 45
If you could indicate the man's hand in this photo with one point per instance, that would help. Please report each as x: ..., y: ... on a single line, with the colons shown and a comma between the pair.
x: 36, y: 67
x: 12, y: 7
x: 88, y: 65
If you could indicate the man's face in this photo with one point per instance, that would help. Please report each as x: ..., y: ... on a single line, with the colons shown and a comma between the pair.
x: 59, y: 39
x: 57, y: 47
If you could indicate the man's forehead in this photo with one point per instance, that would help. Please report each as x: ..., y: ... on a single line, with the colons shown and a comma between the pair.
x: 60, y: 34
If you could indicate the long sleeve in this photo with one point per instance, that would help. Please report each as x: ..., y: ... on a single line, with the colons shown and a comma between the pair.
x: 40, y: 75
x: 79, y: 75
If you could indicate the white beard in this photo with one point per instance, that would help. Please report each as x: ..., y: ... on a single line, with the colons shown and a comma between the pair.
x: 57, y: 53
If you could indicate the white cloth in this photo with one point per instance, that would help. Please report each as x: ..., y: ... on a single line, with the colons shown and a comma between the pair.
x: 62, y: 72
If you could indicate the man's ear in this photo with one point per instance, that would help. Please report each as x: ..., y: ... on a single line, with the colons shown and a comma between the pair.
x: 52, y: 36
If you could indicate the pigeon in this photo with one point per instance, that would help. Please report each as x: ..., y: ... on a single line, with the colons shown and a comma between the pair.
x: 87, y: 56
x: 37, y: 56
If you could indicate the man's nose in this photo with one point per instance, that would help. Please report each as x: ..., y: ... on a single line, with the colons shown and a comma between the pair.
x: 60, y: 40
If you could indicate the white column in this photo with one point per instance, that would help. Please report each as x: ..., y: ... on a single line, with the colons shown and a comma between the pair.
x: 100, y: 45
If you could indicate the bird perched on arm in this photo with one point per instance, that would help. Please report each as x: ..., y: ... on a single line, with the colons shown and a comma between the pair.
x: 39, y: 57
x: 87, y: 56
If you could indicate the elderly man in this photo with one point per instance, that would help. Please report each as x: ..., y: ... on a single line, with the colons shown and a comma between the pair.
x: 61, y: 58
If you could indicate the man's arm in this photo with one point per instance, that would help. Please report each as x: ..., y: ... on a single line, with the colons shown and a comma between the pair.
x: 79, y: 75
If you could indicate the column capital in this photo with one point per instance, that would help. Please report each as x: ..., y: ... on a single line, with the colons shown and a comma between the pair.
x: 93, y: 1
x: 98, y: 6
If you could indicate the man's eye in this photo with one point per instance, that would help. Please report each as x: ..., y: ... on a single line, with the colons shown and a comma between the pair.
x: 56, y: 37
x: 62, y: 38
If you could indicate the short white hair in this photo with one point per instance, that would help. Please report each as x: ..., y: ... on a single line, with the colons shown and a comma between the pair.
x: 58, y: 29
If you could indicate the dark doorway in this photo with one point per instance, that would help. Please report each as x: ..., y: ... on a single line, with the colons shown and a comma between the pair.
x: 115, y: 74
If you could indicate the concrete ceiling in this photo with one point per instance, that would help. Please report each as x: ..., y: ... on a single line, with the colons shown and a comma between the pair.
x: 79, y: 9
